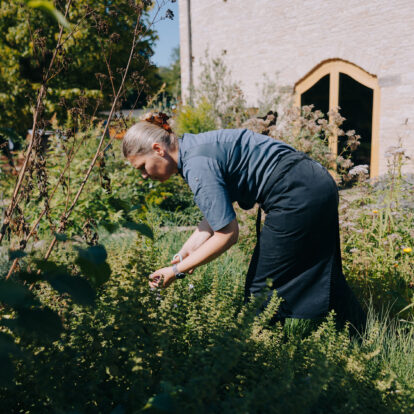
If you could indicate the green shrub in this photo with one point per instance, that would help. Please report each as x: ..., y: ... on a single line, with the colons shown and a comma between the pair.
x: 195, y: 348
x: 216, y: 86
x: 195, y: 119
x: 377, y: 221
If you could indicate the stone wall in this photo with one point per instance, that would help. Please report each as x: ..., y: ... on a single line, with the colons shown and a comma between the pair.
x: 286, y: 39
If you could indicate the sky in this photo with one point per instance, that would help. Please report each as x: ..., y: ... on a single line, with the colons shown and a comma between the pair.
x: 168, y: 32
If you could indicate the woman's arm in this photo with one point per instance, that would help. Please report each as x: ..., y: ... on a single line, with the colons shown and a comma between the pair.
x: 202, y: 233
x: 217, y: 244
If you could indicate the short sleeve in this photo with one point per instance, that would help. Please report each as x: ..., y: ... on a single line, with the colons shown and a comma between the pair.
x: 205, y: 179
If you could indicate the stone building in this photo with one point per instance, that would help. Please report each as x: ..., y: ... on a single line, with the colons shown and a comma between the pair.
x: 358, y: 55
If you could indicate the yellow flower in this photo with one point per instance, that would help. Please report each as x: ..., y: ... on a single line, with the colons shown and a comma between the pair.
x: 375, y: 211
x: 407, y: 249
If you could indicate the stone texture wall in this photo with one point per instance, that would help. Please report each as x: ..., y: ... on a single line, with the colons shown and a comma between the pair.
x: 286, y: 39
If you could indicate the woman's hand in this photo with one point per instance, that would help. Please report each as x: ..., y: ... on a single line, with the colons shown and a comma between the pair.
x: 165, y: 275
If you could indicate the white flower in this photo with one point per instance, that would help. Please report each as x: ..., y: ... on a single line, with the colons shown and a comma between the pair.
x: 359, y: 169
x: 190, y: 286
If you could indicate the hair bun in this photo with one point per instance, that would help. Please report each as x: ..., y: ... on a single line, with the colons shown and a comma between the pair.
x: 158, y: 118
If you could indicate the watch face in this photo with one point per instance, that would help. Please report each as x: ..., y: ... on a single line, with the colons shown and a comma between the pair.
x: 180, y: 275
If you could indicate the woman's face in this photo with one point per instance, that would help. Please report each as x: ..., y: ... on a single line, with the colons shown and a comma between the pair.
x: 157, y: 164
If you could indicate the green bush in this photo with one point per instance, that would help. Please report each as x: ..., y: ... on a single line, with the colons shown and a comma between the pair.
x: 377, y: 221
x: 194, y: 347
x: 195, y: 119
x: 114, y: 194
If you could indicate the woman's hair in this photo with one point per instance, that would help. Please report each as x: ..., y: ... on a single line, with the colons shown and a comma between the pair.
x: 153, y: 128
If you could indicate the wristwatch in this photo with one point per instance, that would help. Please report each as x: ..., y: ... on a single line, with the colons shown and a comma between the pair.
x: 177, y: 273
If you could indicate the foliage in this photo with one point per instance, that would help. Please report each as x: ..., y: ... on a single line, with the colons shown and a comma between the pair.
x: 100, y: 39
x: 377, y: 228
x: 194, y: 119
x: 171, y: 76
x: 27, y: 321
x: 216, y: 103
x: 272, y: 96
x: 49, y: 8
x: 115, y: 196
x: 49, y: 192
x: 225, y: 96
x: 92, y: 337
x: 137, y: 350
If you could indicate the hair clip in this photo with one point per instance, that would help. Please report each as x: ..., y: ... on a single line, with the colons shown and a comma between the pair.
x: 158, y: 118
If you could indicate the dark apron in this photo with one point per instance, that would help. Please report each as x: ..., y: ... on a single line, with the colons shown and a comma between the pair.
x: 298, y: 248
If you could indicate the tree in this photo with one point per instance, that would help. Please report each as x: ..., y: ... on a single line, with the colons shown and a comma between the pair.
x: 88, y: 66
x: 171, y: 75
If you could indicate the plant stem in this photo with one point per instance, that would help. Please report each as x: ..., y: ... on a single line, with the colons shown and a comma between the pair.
x: 98, y: 150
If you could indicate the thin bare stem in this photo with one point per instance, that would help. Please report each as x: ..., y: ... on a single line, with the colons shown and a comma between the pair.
x: 40, y: 97
x: 43, y: 212
x: 98, y: 150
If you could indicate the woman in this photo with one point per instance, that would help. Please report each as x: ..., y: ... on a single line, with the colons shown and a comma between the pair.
x: 298, y: 247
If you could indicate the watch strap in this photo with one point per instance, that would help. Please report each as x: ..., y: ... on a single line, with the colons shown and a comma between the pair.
x: 177, y: 273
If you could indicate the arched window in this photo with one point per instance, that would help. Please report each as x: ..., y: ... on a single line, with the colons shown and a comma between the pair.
x: 335, y: 83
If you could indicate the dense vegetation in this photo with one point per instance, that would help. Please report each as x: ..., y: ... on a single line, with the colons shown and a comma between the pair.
x: 81, y: 332
x: 87, y: 67
x: 194, y: 346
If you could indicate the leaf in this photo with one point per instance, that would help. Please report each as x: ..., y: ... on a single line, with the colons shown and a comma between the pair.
x: 15, y: 294
x: 48, y: 8
x: 142, y: 228
x: 16, y: 254
x: 406, y: 308
x: 77, y: 287
x: 92, y: 264
x: 119, y: 409
x: 49, y: 268
x: 94, y: 254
